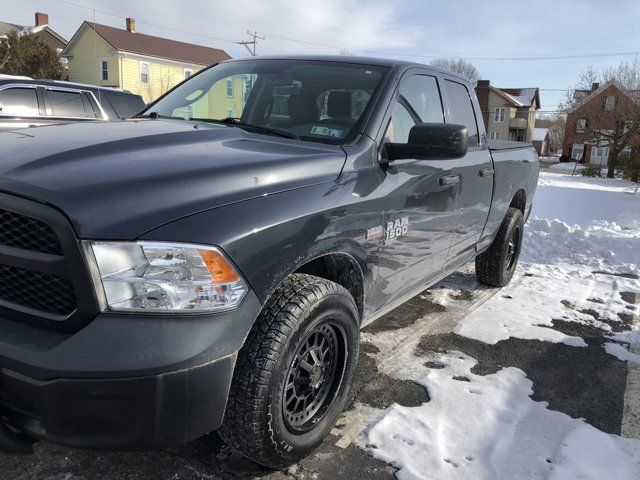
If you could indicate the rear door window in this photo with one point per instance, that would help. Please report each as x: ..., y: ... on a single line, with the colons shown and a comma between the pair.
x: 22, y: 102
x: 64, y: 103
x: 461, y: 110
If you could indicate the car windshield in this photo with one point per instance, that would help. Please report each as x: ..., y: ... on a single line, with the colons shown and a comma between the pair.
x: 313, y: 100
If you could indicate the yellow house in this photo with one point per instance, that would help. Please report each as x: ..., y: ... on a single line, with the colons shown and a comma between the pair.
x: 142, y: 64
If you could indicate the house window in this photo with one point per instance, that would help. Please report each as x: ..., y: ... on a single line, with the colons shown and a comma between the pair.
x: 499, y: 114
x: 581, y: 125
x: 230, y: 112
x: 230, y: 87
x: 577, y: 152
x: 494, y: 135
x: 104, y: 69
x: 144, y: 72
x: 625, y: 154
x: 187, y: 72
x: 610, y: 103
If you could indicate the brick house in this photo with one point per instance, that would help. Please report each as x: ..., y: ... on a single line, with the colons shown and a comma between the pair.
x: 509, y: 113
x: 604, y: 108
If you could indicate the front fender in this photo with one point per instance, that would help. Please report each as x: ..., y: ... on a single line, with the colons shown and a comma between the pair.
x: 272, y: 236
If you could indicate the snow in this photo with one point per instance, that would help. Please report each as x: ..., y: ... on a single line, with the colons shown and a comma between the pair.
x: 579, y: 226
x: 509, y: 437
x: 582, y: 233
x: 567, y: 166
x: 539, y: 134
x: 620, y: 352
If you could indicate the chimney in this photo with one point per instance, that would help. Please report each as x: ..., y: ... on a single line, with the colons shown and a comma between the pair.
x: 131, y: 25
x: 482, y: 84
x: 595, y: 86
x: 41, y: 19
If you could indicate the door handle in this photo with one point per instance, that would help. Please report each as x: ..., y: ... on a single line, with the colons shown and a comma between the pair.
x: 486, y: 172
x: 447, y: 180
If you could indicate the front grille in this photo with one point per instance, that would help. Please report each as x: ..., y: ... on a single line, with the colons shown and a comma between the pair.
x: 51, y: 291
x: 21, y: 231
x: 41, y: 291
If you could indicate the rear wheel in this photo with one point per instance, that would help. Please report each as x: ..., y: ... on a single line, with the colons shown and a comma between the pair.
x: 496, y: 265
x: 294, y: 372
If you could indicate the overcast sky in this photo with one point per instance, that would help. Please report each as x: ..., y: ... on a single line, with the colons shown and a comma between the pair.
x: 413, y: 30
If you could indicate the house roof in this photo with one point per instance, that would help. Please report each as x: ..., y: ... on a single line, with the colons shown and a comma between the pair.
x: 539, y: 134
x: 148, y: 45
x: 56, y: 40
x: 6, y: 27
x: 585, y: 96
x: 524, y: 96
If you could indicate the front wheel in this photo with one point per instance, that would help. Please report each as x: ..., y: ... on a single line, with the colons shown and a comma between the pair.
x: 294, y: 372
x: 496, y: 265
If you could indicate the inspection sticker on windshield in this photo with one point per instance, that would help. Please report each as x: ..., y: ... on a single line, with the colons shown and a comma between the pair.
x: 326, y: 132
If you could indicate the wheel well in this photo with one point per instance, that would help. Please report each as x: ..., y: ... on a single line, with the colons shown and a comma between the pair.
x: 519, y: 201
x: 342, y: 269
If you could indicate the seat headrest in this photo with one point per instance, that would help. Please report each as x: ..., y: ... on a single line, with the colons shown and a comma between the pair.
x: 302, y: 109
x: 339, y: 104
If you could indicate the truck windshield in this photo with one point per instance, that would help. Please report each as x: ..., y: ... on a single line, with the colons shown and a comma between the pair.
x: 313, y: 100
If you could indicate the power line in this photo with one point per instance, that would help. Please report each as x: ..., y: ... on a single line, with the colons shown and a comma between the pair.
x: 469, y: 56
x: 163, y: 27
x: 484, y: 56
x: 253, y: 42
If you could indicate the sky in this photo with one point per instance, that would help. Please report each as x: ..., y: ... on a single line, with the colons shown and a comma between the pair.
x: 510, y: 42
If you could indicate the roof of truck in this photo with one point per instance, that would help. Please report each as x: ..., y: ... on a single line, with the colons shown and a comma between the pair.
x: 353, y: 59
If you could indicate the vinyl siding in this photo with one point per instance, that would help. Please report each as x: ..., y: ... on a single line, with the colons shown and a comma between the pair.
x: 216, y: 104
x: 85, y: 53
x: 162, y: 76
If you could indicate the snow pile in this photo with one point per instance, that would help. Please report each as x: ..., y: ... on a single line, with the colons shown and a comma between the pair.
x: 488, y: 427
x: 589, y: 222
x: 566, y: 166
x: 602, y: 245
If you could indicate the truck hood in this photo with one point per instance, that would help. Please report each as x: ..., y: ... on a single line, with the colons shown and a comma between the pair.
x: 118, y: 180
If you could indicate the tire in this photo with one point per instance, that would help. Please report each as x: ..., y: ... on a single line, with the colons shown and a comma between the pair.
x: 496, y: 265
x: 266, y: 418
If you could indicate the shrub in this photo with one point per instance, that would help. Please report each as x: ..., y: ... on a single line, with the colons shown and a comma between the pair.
x: 591, y: 171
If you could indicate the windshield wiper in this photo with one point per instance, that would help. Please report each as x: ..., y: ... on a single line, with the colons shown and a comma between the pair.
x: 156, y: 115
x: 240, y: 123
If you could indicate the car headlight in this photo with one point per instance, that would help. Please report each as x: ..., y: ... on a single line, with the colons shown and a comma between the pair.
x: 165, y: 277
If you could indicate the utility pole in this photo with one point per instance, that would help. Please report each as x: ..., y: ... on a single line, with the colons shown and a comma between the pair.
x: 253, y: 42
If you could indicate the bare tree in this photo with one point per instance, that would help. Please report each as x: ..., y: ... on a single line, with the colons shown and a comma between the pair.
x: 617, y: 128
x: 555, y: 124
x: 626, y: 73
x: 460, y: 66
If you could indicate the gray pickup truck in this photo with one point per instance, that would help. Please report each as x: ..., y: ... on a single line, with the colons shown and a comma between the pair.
x: 208, y: 265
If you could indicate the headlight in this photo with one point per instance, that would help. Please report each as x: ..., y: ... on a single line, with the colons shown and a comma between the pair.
x: 166, y: 277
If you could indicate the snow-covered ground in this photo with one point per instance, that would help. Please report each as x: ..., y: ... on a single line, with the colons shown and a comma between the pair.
x: 566, y: 166
x: 581, y: 231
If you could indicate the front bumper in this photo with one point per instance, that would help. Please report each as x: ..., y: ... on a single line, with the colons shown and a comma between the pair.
x: 123, y: 381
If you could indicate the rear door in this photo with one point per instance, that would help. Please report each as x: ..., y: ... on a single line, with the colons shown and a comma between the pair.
x: 475, y: 170
x: 420, y: 207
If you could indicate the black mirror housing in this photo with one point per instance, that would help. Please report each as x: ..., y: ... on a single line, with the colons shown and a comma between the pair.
x: 430, y: 141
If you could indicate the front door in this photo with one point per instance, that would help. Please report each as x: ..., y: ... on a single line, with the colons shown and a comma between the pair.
x: 420, y: 204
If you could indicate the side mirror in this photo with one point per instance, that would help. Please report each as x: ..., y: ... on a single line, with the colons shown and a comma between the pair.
x: 429, y: 141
